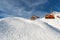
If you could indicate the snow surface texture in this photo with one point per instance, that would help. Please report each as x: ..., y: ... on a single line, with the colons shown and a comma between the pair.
x: 53, y: 22
x: 16, y: 28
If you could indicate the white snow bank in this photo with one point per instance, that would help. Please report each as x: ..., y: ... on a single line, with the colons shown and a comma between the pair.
x: 22, y: 29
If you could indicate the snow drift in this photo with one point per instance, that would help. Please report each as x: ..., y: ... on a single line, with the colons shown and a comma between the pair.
x: 22, y: 29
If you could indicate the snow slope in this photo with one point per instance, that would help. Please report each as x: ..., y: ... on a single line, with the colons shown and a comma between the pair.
x: 16, y: 28
x: 53, y: 22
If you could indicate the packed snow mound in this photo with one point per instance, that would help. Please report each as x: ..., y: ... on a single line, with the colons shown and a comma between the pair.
x: 22, y: 29
x: 56, y: 13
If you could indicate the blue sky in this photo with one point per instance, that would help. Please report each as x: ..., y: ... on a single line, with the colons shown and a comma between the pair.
x: 27, y: 8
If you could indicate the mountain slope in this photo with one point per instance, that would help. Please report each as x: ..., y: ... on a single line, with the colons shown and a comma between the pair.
x: 22, y: 29
x: 53, y: 22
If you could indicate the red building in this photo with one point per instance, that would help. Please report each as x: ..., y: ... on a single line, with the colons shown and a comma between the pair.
x: 49, y: 16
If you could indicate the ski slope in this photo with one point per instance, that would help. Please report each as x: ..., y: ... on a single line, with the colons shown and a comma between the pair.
x: 16, y: 28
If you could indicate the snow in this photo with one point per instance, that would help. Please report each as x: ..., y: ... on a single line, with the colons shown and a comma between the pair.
x: 17, y: 28
x: 53, y: 22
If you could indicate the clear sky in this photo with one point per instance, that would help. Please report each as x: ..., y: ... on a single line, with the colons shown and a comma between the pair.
x: 27, y: 8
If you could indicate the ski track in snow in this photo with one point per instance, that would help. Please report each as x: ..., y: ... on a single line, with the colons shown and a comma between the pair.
x: 22, y: 29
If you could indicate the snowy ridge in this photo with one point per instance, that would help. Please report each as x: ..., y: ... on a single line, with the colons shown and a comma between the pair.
x: 53, y: 22
x: 19, y: 18
x: 16, y: 28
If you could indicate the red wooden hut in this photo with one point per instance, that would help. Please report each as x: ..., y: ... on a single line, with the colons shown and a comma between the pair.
x: 49, y: 16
